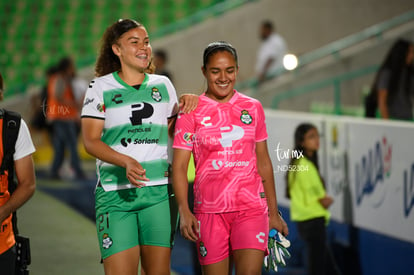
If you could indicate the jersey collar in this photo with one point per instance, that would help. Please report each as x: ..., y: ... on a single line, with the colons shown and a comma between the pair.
x: 123, y: 83
x: 231, y: 101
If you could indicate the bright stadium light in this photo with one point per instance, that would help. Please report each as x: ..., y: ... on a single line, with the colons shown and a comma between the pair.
x: 290, y: 62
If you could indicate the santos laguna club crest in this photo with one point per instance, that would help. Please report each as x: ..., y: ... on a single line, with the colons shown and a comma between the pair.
x: 106, y: 241
x: 156, y: 95
x: 245, y: 117
x: 203, y: 250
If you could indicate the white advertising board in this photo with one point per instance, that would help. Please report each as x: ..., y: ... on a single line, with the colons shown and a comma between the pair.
x: 281, y: 127
x: 381, y: 159
x: 368, y: 166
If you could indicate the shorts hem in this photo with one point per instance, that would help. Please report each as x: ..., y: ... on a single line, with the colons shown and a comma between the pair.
x: 213, y: 261
x: 157, y: 244
x: 254, y: 248
x: 160, y: 245
x: 120, y: 250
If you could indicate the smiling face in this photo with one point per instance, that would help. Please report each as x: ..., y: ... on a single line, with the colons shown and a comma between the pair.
x: 220, y: 73
x: 134, y: 50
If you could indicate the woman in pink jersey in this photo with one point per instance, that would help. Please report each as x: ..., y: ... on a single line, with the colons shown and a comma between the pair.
x: 234, y: 191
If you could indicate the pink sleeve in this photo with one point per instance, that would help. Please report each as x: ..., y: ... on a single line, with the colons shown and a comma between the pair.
x: 184, y: 132
x: 261, y: 132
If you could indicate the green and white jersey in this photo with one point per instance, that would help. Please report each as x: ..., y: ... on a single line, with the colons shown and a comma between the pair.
x: 136, y: 124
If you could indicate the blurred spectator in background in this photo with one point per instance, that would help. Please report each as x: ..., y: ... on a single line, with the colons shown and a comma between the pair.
x: 79, y: 86
x: 63, y: 114
x: 39, y: 101
x: 309, y: 201
x: 271, y: 52
x: 392, y: 92
x: 160, y: 61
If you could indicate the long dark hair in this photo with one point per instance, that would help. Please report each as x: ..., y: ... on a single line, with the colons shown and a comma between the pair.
x: 107, y: 61
x: 299, y: 137
x: 395, y: 62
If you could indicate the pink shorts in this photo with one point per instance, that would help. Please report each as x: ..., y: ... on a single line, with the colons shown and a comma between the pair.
x: 222, y: 233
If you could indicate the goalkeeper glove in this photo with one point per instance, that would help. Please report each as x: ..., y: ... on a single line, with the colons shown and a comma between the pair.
x: 277, y: 248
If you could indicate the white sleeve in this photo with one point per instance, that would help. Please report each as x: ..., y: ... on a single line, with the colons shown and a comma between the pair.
x: 24, y: 144
x: 93, y: 104
x: 173, y: 104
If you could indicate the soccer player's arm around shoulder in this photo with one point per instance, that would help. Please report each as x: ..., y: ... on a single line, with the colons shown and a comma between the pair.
x: 188, y: 102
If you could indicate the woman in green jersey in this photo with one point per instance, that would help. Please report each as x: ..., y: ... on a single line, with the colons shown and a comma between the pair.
x: 126, y: 118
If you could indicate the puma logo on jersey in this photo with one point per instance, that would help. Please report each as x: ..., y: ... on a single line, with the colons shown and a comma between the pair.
x: 227, y: 138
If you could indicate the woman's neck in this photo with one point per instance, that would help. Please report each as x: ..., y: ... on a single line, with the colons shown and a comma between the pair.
x: 224, y: 99
x: 131, y: 77
x: 309, y: 153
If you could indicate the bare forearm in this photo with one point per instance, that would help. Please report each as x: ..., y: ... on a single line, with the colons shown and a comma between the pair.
x: 25, y: 188
x: 265, y: 169
x: 180, y: 185
x: 104, y: 152
x: 326, y: 201
x: 19, y: 197
x: 171, y: 126
x: 180, y: 181
x: 266, y: 172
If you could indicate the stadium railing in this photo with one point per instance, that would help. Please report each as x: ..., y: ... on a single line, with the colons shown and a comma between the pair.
x: 332, y: 50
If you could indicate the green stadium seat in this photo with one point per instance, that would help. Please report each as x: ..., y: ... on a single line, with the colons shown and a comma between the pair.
x: 46, y: 29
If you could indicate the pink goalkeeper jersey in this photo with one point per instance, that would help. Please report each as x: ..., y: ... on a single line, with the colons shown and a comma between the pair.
x: 222, y: 137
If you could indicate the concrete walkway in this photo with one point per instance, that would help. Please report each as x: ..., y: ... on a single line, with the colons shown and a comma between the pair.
x: 63, y: 242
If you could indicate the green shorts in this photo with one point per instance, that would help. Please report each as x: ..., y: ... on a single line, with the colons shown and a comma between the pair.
x: 138, y: 216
